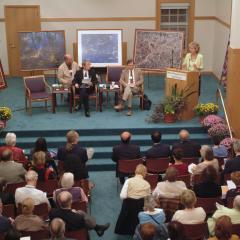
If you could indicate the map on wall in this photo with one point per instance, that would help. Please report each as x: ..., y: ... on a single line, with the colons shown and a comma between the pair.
x: 101, y: 47
x: 157, y: 50
x: 41, y: 50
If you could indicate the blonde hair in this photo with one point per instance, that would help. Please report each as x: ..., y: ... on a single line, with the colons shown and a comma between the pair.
x: 39, y: 158
x: 27, y: 206
x: 195, y: 45
x: 188, y: 198
x: 67, y: 180
x: 141, y: 170
x: 72, y: 137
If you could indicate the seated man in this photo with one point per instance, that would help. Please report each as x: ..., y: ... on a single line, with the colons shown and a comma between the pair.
x: 125, y: 151
x: 30, y: 191
x: 189, y: 147
x: 84, y: 82
x: 158, y: 150
x: 67, y: 70
x: 131, y: 81
x: 18, y: 154
x: 75, y: 220
x: 219, y: 150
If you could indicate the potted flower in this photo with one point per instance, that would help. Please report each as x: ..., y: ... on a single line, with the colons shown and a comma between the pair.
x: 211, y: 120
x: 204, y: 109
x: 5, y: 115
x: 220, y: 130
x: 169, y: 115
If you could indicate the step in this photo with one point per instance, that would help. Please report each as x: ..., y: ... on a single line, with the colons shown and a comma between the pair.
x: 101, y: 165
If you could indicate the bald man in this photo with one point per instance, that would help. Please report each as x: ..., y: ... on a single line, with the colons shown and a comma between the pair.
x: 189, y: 147
x: 125, y: 151
x: 67, y: 70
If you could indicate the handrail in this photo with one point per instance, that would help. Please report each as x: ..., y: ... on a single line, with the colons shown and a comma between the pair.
x: 219, y: 94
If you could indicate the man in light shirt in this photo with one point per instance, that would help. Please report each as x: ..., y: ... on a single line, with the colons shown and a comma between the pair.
x: 131, y: 81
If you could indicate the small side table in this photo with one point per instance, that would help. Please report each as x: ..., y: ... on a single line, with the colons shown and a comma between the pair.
x: 102, y: 90
x: 61, y: 90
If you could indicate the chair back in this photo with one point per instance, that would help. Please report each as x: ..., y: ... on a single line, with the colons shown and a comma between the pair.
x: 11, y: 187
x: 84, y: 184
x: 40, y: 210
x: 230, y: 201
x: 114, y: 74
x: 196, y: 231
x: 49, y: 186
x: 9, y: 210
x: 128, y: 166
x: 208, y: 204
x: 80, y: 205
x: 36, y: 235
x: 190, y: 160
x: 157, y: 165
x: 35, y: 83
x: 220, y: 161
x: 152, y: 180
x: 236, y: 229
x: 79, y: 234
x: 186, y: 179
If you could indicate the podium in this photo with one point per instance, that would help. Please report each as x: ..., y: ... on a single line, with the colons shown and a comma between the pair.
x: 184, y: 80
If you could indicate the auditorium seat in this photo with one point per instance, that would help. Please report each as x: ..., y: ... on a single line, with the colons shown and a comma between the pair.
x: 43, y: 234
x: 152, y: 180
x: 196, y: 231
x: 79, y: 234
x: 208, y: 204
x: 157, y: 165
x: 186, y: 179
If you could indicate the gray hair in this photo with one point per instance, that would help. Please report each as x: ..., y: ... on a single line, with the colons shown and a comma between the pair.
x: 67, y: 180
x: 57, y: 228
x: 236, y: 202
x: 236, y: 146
x: 10, y: 139
x: 149, y: 202
x: 203, y: 150
x: 31, y: 176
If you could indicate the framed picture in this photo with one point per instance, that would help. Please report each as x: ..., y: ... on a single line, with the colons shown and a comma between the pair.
x: 3, y: 83
x: 158, y: 50
x: 102, y: 47
x: 42, y: 50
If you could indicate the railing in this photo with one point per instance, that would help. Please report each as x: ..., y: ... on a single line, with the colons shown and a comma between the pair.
x: 219, y: 94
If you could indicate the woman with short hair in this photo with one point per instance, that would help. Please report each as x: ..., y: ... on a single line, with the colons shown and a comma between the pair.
x: 182, y: 167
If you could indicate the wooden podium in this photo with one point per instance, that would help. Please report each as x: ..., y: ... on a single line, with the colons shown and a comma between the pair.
x: 184, y: 80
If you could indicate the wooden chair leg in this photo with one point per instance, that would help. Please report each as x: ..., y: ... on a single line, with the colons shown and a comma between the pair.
x: 62, y: 97
x: 46, y: 104
x: 30, y: 107
x: 26, y: 104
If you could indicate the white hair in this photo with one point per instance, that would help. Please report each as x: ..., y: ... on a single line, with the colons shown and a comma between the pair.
x: 236, y: 202
x: 31, y: 176
x: 236, y: 146
x: 11, y: 139
x: 203, y: 150
x: 67, y: 180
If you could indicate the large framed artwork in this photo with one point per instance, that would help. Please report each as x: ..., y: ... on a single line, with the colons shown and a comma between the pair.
x: 157, y: 50
x: 42, y: 50
x: 3, y: 82
x: 102, y: 47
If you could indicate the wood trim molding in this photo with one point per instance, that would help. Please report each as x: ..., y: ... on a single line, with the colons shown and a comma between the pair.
x: 206, y: 18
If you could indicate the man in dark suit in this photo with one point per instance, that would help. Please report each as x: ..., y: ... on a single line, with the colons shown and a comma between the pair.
x: 158, y: 149
x: 125, y: 151
x: 189, y: 147
x: 84, y: 81
x: 75, y: 220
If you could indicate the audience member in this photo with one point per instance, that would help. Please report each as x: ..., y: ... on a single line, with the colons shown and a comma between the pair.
x: 218, y: 150
x: 10, y: 171
x: 176, y: 231
x: 18, y: 153
x: 233, y: 164
x: 41, y: 145
x: 73, y: 219
x: 13, y: 234
x: 189, y: 147
x: 208, y: 188
x: 149, y: 231
x: 208, y: 159
x: 235, y: 177
x: 151, y: 213
x: 177, y: 155
x: 190, y: 215
x: 41, y: 168
x: 27, y: 221
x: 67, y: 182
x: 30, y: 191
x: 233, y: 213
x: 57, y: 229
x: 170, y: 188
x: 125, y: 151
x: 5, y: 223
x: 74, y: 156
x: 158, y: 150
x: 223, y: 229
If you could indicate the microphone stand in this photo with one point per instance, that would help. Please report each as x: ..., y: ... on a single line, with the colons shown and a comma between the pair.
x: 172, y: 58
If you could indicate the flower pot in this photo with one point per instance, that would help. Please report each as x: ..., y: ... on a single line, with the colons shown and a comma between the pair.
x: 169, y: 118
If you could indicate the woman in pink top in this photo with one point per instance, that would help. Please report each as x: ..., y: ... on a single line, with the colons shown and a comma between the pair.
x: 178, y: 164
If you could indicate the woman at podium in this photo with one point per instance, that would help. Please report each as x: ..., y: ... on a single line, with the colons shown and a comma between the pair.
x: 194, y: 60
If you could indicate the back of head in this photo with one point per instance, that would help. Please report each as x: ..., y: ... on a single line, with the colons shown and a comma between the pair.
x: 40, y: 145
x: 235, y: 177
x: 236, y: 202
x: 10, y: 139
x: 176, y: 230
x: 65, y: 200
x: 39, y: 158
x: 216, y: 140
x: 141, y: 170
x: 207, y: 153
x: 209, y: 174
x: 236, y: 146
x: 171, y: 174
x: 177, y: 153
x: 126, y: 137
x: 67, y: 180
x: 57, y: 228
x: 31, y: 176
x: 6, y: 155
x: 149, y: 203
x: 27, y: 206
x: 156, y: 137
x: 72, y: 138
x: 188, y: 198
x: 184, y: 135
x: 147, y: 231
x: 223, y: 228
